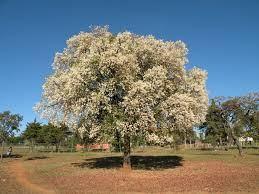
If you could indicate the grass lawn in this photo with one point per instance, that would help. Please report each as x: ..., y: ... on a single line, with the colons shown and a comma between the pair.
x: 155, y: 170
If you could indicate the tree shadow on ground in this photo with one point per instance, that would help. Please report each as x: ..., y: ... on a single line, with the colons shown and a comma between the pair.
x: 37, y: 158
x: 255, y: 154
x: 211, y: 154
x: 12, y: 156
x: 137, y: 162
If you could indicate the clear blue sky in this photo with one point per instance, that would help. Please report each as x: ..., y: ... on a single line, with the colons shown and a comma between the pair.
x: 222, y: 36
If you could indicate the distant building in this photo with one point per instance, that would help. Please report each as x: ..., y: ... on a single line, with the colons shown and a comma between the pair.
x: 245, y: 140
x: 94, y: 147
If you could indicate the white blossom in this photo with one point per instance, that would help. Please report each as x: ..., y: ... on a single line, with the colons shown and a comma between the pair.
x: 135, y: 83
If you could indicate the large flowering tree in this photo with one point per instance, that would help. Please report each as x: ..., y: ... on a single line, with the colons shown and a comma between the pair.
x: 131, y: 84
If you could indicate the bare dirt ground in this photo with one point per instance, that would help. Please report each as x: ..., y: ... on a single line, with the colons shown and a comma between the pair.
x: 101, y: 173
x: 22, y: 177
x: 211, y: 176
x: 8, y: 184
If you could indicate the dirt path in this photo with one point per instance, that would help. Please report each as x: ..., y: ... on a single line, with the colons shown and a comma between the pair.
x: 22, y: 177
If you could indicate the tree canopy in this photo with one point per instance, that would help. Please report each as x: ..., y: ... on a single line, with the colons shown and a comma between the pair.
x: 33, y: 132
x: 47, y: 134
x: 9, y: 124
x: 124, y: 82
x: 230, y: 118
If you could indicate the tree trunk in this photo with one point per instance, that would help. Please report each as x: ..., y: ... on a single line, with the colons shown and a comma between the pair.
x: 236, y: 140
x: 32, y: 146
x: 86, y: 147
x: 2, y: 151
x: 57, y: 146
x: 239, y: 146
x: 126, y: 155
x: 72, y: 146
x: 185, y: 140
x: 120, y: 146
x: 220, y: 142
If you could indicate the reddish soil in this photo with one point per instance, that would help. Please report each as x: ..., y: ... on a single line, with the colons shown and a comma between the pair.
x: 193, y: 177
x: 93, y: 176
x: 22, y: 177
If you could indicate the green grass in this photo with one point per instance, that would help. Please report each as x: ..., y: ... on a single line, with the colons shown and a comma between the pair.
x: 250, y: 155
x: 51, y: 161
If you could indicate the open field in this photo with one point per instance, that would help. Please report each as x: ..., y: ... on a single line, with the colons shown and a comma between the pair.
x: 155, y: 170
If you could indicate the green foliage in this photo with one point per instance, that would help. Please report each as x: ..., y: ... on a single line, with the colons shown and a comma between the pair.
x: 54, y: 135
x: 9, y: 124
x: 230, y: 118
x: 117, y: 143
x: 71, y: 140
x: 250, y: 120
x: 15, y: 140
x: 215, y: 130
x: 48, y: 134
x: 33, y: 132
x: 253, y: 129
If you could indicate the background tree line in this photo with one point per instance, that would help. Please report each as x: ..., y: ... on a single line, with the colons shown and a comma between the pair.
x: 47, y: 135
x: 229, y: 118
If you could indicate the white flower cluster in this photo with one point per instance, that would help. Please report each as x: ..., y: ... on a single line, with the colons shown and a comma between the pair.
x: 134, y: 83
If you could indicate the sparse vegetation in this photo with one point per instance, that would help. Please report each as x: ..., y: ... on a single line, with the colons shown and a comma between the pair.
x: 155, y: 170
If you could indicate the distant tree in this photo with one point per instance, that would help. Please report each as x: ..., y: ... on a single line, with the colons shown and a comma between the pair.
x: 9, y: 124
x: 232, y: 113
x: 54, y: 135
x: 33, y: 133
x: 15, y: 139
x: 230, y: 118
x: 253, y: 130
x: 250, y: 119
x: 215, y: 131
x: 71, y: 140
x: 117, y: 141
x: 192, y: 136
